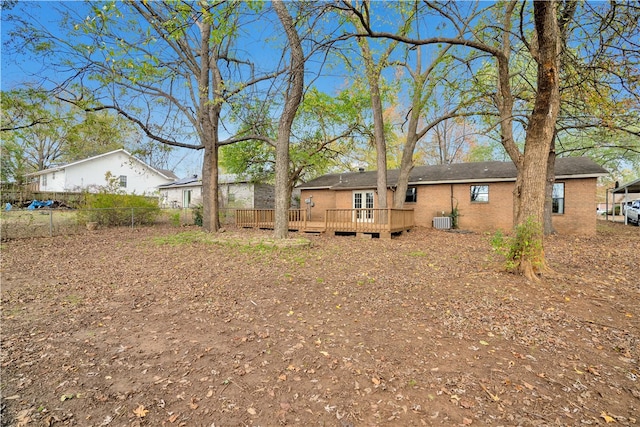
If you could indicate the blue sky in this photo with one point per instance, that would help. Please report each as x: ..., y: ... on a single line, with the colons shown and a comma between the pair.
x: 19, y: 70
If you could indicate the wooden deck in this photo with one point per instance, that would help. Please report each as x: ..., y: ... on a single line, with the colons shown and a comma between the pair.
x: 381, y: 222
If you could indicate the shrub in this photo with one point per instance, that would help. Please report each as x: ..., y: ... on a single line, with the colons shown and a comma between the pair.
x: 454, y: 215
x: 174, y: 218
x: 119, y: 209
x: 197, y: 215
x: 525, y: 244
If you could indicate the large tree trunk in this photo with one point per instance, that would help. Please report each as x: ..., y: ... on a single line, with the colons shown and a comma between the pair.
x: 406, y: 164
x: 207, y: 123
x: 529, y: 195
x: 373, y: 79
x: 210, y: 208
x: 292, y: 101
x: 381, y: 144
x: 548, y: 203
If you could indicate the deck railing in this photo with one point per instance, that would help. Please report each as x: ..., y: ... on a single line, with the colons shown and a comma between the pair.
x: 385, y: 221
x: 265, y: 218
x: 369, y: 220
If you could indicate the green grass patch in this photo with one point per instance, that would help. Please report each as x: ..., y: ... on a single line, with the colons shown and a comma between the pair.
x: 418, y: 253
x: 185, y: 238
x: 245, y: 245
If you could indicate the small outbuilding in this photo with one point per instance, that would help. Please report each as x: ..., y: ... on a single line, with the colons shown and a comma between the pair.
x: 233, y: 192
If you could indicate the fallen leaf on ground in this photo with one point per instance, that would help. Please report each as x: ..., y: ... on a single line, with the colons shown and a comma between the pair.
x: 140, y: 411
x: 607, y: 418
x: 193, y: 404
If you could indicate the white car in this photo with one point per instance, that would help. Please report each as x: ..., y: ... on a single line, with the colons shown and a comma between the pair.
x: 633, y: 212
x: 625, y: 205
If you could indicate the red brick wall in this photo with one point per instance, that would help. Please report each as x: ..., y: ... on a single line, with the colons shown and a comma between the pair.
x: 579, y: 215
x: 322, y: 200
x: 434, y: 199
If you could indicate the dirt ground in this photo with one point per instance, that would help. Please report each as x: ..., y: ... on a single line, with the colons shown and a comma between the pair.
x: 168, y: 327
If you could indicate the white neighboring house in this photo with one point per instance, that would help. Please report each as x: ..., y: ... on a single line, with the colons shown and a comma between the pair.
x: 233, y: 192
x: 133, y: 175
x: 185, y: 192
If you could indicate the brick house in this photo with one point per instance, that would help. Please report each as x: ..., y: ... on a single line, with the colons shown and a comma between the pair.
x: 482, y: 192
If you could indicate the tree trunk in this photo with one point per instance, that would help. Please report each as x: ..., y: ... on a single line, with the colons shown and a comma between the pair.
x: 381, y: 143
x: 406, y: 164
x: 373, y: 79
x: 292, y: 102
x: 210, y: 208
x: 208, y: 134
x: 548, y: 204
x: 529, y: 196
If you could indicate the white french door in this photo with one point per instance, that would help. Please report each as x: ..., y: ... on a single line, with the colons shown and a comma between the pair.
x: 363, y: 202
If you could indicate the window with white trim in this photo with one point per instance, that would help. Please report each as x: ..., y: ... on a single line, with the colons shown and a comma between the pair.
x: 479, y: 194
x: 557, y: 198
x: 412, y: 195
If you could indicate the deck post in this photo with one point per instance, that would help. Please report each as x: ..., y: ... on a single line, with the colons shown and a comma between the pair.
x: 326, y: 215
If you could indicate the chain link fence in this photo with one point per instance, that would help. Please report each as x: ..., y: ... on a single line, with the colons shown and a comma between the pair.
x: 23, y: 223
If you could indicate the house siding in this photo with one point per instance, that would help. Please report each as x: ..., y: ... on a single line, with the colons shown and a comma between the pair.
x: 322, y: 200
x: 497, y: 214
x: 236, y: 195
x: 54, y: 182
x: 175, y: 196
x: 435, y: 200
x: 140, y: 179
x: 89, y: 175
x: 264, y: 196
x: 580, y: 216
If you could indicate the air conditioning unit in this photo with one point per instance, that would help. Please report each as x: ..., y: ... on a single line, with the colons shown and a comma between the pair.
x: 442, y: 222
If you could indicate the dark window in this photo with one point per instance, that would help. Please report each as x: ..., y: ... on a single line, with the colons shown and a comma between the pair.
x: 480, y: 193
x: 558, y: 198
x: 412, y: 195
x: 123, y: 181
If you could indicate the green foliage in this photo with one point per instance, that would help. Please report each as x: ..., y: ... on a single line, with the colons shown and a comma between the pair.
x: 323, y: 132
x: 174, y: 218
x: 112, y: 210
x: 39, y: 131
x: 197, y: 215
x: 13, y: 166
x: 525, y: 244
x: 454, y: 215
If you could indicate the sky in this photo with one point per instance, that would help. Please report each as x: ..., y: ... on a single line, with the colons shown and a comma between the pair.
x: 19, y: 69
x: 260, y: 37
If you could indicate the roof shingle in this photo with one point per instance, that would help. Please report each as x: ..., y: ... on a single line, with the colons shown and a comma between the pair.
x: 566, y: 167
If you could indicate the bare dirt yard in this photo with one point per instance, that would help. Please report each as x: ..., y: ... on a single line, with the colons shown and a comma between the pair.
x: 173, y: 327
